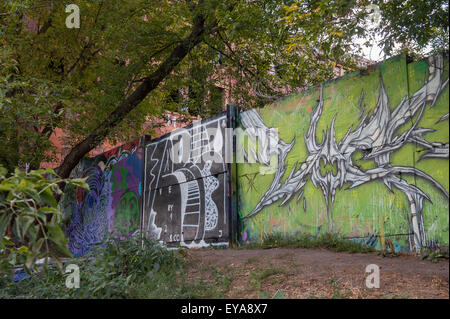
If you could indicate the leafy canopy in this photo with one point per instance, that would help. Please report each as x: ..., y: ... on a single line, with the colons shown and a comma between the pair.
x: 74, y: 79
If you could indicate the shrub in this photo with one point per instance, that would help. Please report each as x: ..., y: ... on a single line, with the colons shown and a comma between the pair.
x: 30, y: 219
x: 129, y: 268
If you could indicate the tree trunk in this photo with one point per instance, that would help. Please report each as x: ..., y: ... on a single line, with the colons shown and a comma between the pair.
x: 149, y: 83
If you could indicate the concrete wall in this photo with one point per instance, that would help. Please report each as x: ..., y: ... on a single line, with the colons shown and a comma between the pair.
x: 365, y: 156
x: 187, y: 203
x: 138, y: 188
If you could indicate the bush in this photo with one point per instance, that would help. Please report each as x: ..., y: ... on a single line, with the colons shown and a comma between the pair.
x: 30, y: 220
x: 120, y: 269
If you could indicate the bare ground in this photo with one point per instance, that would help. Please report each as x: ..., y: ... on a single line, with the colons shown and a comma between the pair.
x: 316, y: 273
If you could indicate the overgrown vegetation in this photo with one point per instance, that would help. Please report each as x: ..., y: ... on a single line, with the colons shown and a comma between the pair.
x: 119, y: 269
x: 30, y: 220
x: 336, y: 287
x: 134, y: 269
x: 126, y: 269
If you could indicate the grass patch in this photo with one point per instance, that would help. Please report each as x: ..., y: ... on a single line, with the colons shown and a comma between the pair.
x: 329, y: 241
x: 222, y: 282
x: 257, y: 277
x: 210, y: 281
x: 120, y: 269
x: 337, y: 290
x: 388, y: 253
x: 266, y: 272
x: 335, y: 287
x: 433, y: 255
x: 252, y: 260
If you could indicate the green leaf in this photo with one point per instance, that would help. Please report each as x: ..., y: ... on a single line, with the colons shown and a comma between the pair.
x: 40, y: 172
x: 16, y: 228
x: 57, y: 237
x: 79, y: 182
x: 32, y: 233
x: 5, y: 187
x: 30, y: 261
x: 4, y: 242
x: 22, y: 249
x: 3, y: 172
x: 7, y: 242
x: 25, y: 224
x: 5, y: 219
x: 49, y: 210
x: 48, y: 198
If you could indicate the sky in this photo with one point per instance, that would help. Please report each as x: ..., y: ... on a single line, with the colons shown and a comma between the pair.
x: 373, y: 52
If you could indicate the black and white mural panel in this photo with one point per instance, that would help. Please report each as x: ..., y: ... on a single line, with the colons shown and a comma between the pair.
x: 185, y: 186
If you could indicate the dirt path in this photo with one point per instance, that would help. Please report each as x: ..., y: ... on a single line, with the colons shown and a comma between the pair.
x: 316, y: 273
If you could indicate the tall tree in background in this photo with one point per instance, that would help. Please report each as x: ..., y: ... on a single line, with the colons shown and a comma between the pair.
x: 123, y: 65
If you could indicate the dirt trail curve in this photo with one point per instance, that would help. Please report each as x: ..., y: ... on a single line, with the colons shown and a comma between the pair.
x: 319, y: 273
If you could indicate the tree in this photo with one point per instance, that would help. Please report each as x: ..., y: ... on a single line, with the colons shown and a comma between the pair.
x: 103, y: 80
x: 25, y: 106
x: 414, y: 26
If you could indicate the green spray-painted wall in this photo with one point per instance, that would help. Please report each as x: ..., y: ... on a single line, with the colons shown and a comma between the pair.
x: 386, y: 179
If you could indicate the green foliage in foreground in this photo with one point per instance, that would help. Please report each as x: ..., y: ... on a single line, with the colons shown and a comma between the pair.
x: 30, y: 220
x: 329, y: 241
x: 120, y: 269
x: 135, y: 269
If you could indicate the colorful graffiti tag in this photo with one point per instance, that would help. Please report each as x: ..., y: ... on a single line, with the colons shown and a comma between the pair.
x: 373, y: 149
x: 112, y: 205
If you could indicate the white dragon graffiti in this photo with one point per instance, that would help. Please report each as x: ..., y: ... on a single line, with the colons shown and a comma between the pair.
x: 375, y: 136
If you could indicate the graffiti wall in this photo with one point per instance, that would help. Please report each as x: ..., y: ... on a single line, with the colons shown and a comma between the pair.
x: 186, y: 197
x: 365, y: 156
x: 112, y: 205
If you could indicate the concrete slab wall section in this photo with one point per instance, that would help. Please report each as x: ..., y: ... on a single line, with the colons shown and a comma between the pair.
x: 186, y: 200
x: 112, y: 205
x: 364, y: 156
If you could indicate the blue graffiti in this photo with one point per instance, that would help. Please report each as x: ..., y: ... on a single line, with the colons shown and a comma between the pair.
x: 88, y: 225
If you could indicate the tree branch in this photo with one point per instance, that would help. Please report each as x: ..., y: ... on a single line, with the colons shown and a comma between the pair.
x: 148, y: 85
x: 246, y: 70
